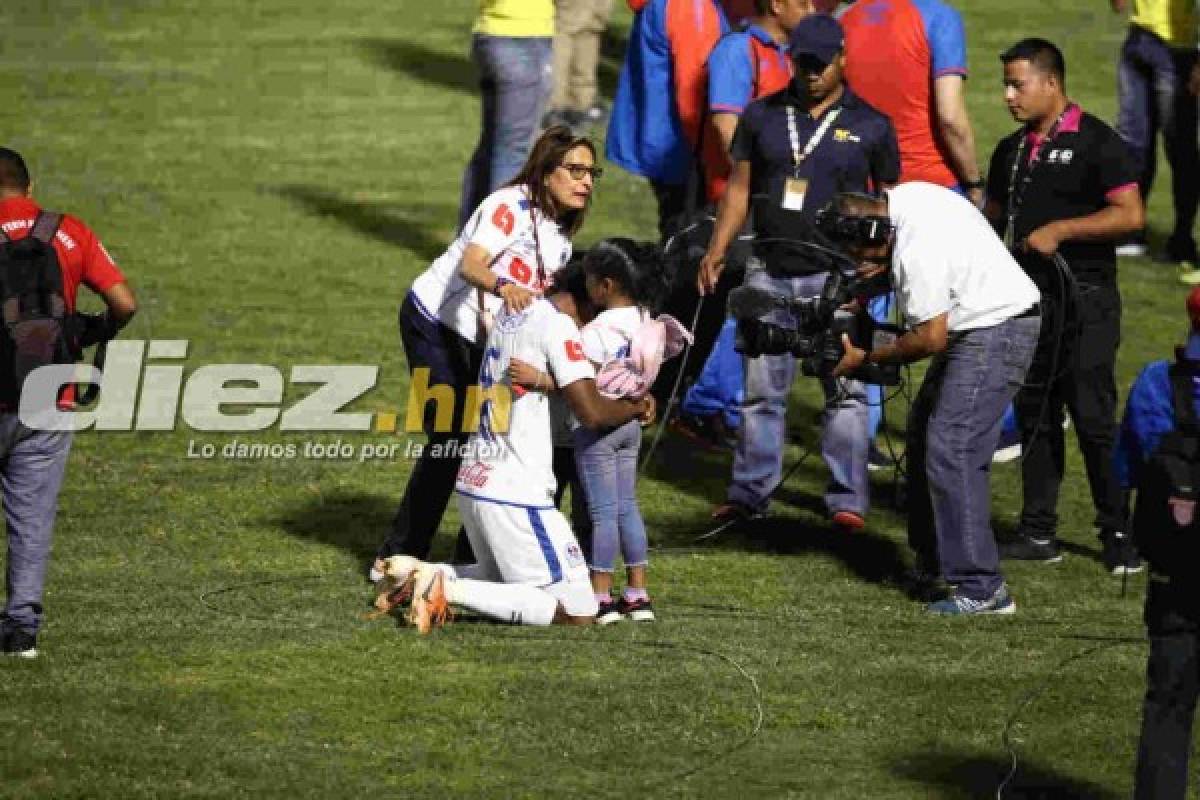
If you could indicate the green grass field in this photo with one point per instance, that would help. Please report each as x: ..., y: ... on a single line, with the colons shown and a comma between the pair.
x: 271, y: 175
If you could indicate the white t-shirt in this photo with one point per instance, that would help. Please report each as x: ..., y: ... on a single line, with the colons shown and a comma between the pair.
x: 517, y: 466
x: 608, y: 336
x: 502, y: 225
x: 947, y: 258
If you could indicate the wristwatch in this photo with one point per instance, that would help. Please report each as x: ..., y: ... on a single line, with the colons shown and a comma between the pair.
x: 978, y: 183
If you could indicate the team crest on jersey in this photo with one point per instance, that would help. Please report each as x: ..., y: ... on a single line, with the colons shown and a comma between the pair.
x: 574, y: 555
x: 511, y: 321
x: 843, y: 135
x: 1060, y: 156
x: 475, y: 475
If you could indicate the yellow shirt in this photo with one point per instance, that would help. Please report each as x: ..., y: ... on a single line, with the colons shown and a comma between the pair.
x: 1173, y: 20
x: 517, y: 18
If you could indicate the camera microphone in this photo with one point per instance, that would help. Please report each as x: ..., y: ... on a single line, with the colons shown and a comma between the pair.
x: 751, y: 302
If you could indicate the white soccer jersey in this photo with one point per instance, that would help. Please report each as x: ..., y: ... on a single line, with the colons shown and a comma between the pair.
x: 504, y: 226
x: 516, y: 466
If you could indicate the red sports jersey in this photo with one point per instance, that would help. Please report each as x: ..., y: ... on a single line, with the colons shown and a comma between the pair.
x: 81, y: 257
x: 895, y: 49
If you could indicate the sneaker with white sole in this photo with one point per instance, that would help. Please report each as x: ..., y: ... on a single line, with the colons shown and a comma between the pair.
x: 19, y: 644
x: 1119, y: 553
x: 639, y: 610
x: 960, y: 605
x: 1030, y: 548
x: 608, y: 613
x: 430, y: 608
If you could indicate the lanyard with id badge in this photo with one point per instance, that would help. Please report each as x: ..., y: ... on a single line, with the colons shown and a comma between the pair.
x: 795, y: 187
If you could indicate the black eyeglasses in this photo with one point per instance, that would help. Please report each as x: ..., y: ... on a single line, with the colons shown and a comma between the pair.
x: 577, y: 171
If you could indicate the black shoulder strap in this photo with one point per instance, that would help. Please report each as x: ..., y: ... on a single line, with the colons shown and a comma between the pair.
x: 46, y: 226
x: 1182, y: 398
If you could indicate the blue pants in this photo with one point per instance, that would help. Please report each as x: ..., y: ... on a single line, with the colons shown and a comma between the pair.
x: 607, y: 463
x: 31, y: 473
x: 1153, y: 96
x: 514, y: 85
x: 758, y: 460
x: 720, y: 387
x: 952, y: 432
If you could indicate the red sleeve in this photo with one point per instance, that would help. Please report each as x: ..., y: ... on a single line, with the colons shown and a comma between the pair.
x: 100, y: 272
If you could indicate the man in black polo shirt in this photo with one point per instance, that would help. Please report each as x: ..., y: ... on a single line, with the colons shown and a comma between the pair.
x: 792, y: 152
x: 1065, y: 184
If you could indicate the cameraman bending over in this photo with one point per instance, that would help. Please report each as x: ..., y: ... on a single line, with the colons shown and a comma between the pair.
x: 792, y: 151
x: 970, y: 306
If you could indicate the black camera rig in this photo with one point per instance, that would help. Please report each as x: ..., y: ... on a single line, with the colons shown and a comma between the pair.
x: 820, y: 321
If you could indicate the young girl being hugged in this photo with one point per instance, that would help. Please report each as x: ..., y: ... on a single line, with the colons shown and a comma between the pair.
x: 627, y: 344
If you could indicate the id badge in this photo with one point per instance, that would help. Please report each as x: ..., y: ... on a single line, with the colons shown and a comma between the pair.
x: 793, y: 193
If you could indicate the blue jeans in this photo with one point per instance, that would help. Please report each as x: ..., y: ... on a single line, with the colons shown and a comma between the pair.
x: 607, y: 462
x: 514, y: 85
x: 952, y: 432
x: 758, y: 460
x: 1153, y: 96
x: 31, y: 476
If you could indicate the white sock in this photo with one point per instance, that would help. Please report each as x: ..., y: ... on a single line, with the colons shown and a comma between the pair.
x: 507, y: 602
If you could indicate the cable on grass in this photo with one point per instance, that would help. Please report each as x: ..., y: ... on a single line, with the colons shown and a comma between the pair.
x: 1027, y: 700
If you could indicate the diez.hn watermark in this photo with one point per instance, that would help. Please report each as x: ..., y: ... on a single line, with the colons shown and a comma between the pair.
x: 142, y: 390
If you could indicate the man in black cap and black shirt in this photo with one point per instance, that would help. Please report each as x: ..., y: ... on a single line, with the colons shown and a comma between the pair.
x: 1065, y: 185
x: 792, y: 152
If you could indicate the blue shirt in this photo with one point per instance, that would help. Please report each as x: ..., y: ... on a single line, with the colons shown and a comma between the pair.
x: 1149, y: 414
x: 732, y: 71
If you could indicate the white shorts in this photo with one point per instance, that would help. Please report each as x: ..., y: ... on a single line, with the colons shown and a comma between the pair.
x: 528, y: 545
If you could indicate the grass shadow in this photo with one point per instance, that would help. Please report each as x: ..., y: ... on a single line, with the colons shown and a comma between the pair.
x: 353, y: 522
x: 406, y: 227
x: 964, y: 775
x: 454, y: 72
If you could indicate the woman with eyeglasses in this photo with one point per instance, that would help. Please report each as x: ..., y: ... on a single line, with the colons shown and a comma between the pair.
x: 503, y: 257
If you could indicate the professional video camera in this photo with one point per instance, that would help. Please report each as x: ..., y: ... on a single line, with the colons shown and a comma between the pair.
x: 822, y: 320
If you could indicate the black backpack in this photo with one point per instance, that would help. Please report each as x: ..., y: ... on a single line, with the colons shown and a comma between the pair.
x: 33, y: 307
x: 1166, y: 520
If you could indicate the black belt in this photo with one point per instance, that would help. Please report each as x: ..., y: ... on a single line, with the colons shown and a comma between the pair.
x: 1034, y: 310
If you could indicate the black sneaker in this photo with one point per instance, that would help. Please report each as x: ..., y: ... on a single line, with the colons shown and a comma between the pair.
x: 19, y: 643
x: 637, y: 610
x: 878, y: 460
x: 1119, y: 553
x: 1029, y: 548
x: 608, y: 613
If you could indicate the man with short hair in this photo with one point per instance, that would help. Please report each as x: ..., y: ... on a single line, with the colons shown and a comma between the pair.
x: 32, y: 462
x: 1064, y: 186
x: 968, y: 304
x: 793, y: 150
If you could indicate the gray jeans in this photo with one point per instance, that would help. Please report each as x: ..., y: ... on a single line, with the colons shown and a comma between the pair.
x: 758, y: 460
x: 31, y: 473
x: 952, y: 432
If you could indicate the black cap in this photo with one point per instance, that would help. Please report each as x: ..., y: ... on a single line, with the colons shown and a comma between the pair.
x: 819, y: 36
